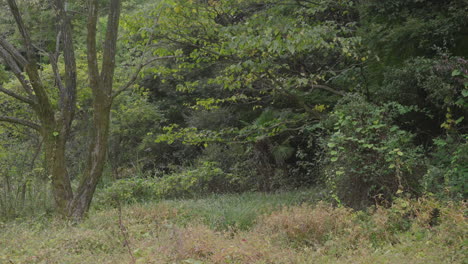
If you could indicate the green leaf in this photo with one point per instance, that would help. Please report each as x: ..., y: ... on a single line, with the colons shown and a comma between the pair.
x: 456, y: 73
x: 55, y: 133
x: 465, y: 93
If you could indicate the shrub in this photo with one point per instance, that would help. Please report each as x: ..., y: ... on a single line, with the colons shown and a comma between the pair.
x: 448, y: 168
x: 127, y: 190
x: 369, y: 157
x: 202, y: 180
x: 436, y: 83
x: 233, y: 160
x: 133, y: 117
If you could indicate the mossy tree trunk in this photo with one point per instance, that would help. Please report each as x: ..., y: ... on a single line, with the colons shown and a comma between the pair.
x: 55, y: 122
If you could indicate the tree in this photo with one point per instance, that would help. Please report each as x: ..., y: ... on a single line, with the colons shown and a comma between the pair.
x: 54, y: 122
x: 272, y: 67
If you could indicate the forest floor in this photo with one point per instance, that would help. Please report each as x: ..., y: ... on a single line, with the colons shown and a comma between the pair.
x: 288, y: 227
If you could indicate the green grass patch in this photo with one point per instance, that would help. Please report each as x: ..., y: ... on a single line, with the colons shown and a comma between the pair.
x: 239, y: 211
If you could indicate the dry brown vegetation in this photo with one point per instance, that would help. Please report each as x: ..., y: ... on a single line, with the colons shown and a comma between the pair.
x: 411, y: 231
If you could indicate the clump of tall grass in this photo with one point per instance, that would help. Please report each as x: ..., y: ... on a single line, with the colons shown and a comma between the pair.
x: 307, y: 225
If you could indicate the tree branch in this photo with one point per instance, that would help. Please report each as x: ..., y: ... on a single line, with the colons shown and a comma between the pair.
x: 54, y: 61
x: 299, y: 99
x: 31, y: 67
x: 136, y: 73
x: 22, y: 29
x: 16, y: 96
x: 110, y: 46
x: 13, y: 52
x: 16, y: 70
x: 58, y: 78
x: 67, y: 91
x: 91, y: 43
x: 194, y: 45
x: 18, y: 121
x: 327, y: 88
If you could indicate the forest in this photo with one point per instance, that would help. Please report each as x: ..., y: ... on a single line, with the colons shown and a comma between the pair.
x: 233, y: 131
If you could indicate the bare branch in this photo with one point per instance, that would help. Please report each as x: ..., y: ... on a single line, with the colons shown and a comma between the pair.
x: 16, y: 96
x: 327, y: 88
x: 19, y: 121
x: 136, y: 73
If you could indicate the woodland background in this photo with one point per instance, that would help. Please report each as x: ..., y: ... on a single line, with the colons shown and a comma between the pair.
x: 368, y: 98
x: 362, y: 104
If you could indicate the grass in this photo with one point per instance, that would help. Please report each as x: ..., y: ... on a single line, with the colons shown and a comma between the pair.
x: 221, y: 212
x: 288, y: 227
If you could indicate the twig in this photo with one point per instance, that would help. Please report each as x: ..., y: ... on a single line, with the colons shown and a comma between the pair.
x: 136, y: 73
x: 124, y: 232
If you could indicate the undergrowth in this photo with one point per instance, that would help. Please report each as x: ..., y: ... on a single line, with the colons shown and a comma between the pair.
x: 250, y: 228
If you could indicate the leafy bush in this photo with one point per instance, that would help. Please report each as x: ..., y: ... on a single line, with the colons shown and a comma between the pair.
x: 370, y: 158
x: 436, y: 83
x: 233, y: 159
x: 202, y: 180
x: 133, y: 117
x: 127, y: 190
x: 448, y: 168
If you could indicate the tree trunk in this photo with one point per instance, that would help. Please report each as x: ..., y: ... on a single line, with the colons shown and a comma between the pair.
x: 96, y: 160
x: 55, y: 144
x: 101, y: 86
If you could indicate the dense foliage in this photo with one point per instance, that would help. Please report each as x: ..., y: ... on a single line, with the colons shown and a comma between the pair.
x: 366, y: 98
